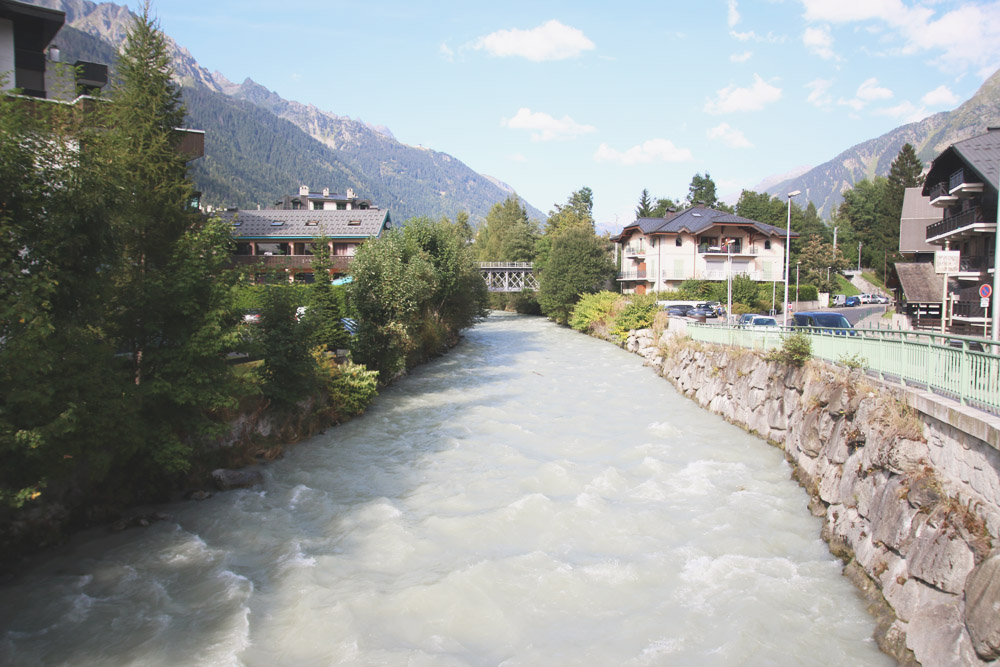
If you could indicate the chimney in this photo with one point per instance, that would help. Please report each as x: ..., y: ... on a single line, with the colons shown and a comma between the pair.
x: 350, y: 193
x: 326, y: 192
x: 671, y: 212
x: 699, y: 204
x: 303, y: 190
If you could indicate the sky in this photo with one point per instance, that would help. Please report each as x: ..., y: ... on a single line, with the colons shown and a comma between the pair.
x: 616, y: 96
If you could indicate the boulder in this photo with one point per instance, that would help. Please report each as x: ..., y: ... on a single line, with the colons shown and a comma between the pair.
x: 226, y: 479
x: 937, y: 637
x: 982, y: 607
x: 938, y: 555
x: 890, y: 515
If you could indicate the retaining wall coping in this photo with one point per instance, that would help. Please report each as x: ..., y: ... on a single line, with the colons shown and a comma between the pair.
x: 969, y: 420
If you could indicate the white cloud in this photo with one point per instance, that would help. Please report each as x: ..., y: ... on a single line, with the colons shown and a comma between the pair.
x: 517, y: 157
x: 967, y: 36
x: 743, y: 36
x: 740, y: 57
x: 448, y: 54
x: 734, y: 14
x: 820, y: 42
x: 729, y: 135
x: 732, y: 99
x: 905, y: 111
x: 751, y: 36
x: 654, y: 150
x: 940, y: 97
x: 550, y: 41
x: 869, y: 90
x: 818, y: 92
x: 546, y: 127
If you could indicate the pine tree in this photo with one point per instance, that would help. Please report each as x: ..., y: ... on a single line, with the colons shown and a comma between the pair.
x: 172, y: 309
x: 645, y: 207
x: 904, y: 172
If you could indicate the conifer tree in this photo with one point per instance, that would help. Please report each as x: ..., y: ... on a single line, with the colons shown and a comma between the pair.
x: 172, y: 309
x: 645, y: 207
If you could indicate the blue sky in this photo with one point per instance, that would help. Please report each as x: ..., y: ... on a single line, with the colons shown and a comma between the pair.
x: 553, y: 96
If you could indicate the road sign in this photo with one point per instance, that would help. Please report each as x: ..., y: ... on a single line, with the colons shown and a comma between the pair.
x: 985, y: 291
x: 984, y: 302
x: 947, y: 261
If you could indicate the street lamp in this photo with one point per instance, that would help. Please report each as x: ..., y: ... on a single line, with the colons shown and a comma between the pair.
x: 729, y: 280
x: 788, y: 249
x: 797, y: 283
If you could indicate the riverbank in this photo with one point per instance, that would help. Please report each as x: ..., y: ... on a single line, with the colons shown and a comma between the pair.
x: 910, y: 502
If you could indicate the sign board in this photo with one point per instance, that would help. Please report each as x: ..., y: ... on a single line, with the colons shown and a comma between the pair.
x: 984, y: 303
x: 946, y: 261
x: 985, y: 291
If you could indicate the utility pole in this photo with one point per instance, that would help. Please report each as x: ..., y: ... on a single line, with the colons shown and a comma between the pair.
x: 834, y: 241
x: 859, y: 256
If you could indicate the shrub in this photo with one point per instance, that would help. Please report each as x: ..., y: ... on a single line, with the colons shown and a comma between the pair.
x: 808, y: 293
x: 795, y: 350
x: 349, y: 387
x: 593, y: 310
x: 637, y: 314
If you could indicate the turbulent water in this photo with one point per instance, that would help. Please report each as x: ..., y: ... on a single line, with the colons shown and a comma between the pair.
x: 535, y: 497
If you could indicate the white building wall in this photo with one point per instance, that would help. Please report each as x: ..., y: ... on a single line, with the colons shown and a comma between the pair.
x: 6, y: 54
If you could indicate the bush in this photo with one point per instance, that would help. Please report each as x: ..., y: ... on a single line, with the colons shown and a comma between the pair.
x: 795, y: 350
x: 808, y: 293
x: 638, y: 314
x: 524, y: 302
x: 594, y: 310
x: 349, y: 387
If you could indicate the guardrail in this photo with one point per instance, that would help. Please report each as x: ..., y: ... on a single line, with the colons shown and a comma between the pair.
x: 959, y: 367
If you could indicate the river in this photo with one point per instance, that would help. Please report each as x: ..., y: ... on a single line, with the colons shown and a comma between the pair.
x: 535, y: 497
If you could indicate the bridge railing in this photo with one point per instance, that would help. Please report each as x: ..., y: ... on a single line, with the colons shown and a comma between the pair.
x: 960, y: 367
x: 506, y: 265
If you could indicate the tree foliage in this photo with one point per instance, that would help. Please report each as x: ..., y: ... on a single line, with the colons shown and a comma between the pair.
x: 578, y: 263
x: 645, y: 207
x: 506, y: 235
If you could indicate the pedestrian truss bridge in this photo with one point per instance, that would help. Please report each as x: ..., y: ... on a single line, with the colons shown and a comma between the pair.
x: 509, y: 276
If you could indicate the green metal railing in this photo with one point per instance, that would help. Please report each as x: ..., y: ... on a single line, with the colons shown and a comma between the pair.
x: 960, y: 367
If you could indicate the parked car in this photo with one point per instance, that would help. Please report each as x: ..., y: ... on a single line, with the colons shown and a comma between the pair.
x: 852, y: 301
x: 251, y: 316
x: 866, y: 298
x: 745, y: 319
x: 825, y: 322
x: 881, y: 298
x: 763, y: 322
x: 837, y: 301
x: 679, y: 311
x: 702, y: 310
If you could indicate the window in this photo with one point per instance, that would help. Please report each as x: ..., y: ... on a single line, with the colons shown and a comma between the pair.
x: 767, y: 245
x: 678, y: 242
x: 277, y: 223
x: 312, y: 223
x: 341, y: 206
x: 354, y: 223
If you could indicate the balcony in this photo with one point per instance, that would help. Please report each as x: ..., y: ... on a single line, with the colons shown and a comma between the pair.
x: 737, y: 250
x: 940, y: 196
x: 956, y: 226
x: 339, y: 263
x: 960, y: 184
x: 634, y: 275
x: 714, y: 274
x: 635, y: 251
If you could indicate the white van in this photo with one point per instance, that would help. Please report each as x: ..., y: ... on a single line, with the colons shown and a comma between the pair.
x: 838, y: 301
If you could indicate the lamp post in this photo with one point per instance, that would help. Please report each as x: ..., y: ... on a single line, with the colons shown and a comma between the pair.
x: 729, y: 281
x: 788, y: 250
x: 797, y: 283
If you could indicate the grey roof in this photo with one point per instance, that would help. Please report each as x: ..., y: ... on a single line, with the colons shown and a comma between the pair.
x: 252, y: 224
x: 981, y: 153
x: 696, y: 220
x: 917, y: 214
x: 919, y: 282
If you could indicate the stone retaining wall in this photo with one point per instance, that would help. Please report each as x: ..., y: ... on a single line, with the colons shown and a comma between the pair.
x: 910, y: 501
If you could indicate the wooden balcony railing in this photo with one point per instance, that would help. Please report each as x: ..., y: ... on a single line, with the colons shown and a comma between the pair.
x: 951, y: 223
x: 339, y: 263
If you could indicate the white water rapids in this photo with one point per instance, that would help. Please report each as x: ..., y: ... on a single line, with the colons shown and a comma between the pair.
x: 534, y: 497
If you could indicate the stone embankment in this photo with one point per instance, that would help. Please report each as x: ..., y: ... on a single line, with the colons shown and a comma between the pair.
x: 910, y: 502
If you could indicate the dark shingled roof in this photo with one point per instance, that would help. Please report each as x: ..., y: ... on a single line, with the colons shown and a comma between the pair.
x: 980, y: 153
x: 919, y: 282
x: 251, y: 224
x: 697, y: 220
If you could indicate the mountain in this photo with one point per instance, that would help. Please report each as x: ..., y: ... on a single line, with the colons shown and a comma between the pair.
x: 824, y: 185
x: 259, y: 146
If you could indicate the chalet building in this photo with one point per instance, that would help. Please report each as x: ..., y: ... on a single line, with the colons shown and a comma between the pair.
x: 697, y: 244
x: 962, y: 183
x: 917, y: 287
x: 279, y: 241
x: 325, y: 201
x: 30, y: 65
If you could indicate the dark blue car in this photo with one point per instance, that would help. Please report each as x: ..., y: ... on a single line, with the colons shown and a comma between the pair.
x: 852, y: 301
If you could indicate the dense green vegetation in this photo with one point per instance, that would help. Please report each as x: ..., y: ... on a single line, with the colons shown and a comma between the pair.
x: 120, y: 313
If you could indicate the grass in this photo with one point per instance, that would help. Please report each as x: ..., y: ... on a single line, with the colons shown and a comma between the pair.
x: 873, y: 279
x: 845, y: 287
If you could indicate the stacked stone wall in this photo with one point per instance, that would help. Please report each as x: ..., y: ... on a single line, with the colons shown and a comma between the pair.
x: 909, y: 502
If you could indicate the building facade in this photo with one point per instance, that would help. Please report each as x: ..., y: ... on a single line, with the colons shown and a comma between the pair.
x: 279, y: 242
x: 698, y: 244
x: 962, y: 183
